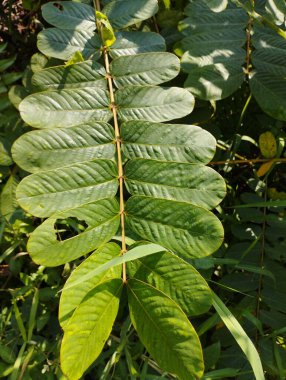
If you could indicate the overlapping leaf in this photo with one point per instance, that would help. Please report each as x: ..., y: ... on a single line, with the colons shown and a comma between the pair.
x: 89, y: 328
x: 175, y: 278
x: 71, y: 299
x: 66, y: 108
x: 42, y: 194
x: 167, y: 142
x: 195, y: 184
x: 154, y: 316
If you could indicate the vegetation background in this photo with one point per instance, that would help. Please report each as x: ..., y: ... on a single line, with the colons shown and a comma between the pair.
x: 247, y: 272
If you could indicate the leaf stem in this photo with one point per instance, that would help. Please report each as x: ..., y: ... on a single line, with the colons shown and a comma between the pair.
x: 118, y: 148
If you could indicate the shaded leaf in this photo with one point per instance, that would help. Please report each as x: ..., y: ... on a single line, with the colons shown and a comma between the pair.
x: 143, y: 69
x: 63, y: 44
x: 69, y: 15
x: 130, y: 43
x: 123, y: 13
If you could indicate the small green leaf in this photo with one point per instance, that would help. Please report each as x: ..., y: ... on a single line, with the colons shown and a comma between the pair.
x: 107, y: 34
x: 76, y: 58
x: 165, y: 331
x: 267, y: 144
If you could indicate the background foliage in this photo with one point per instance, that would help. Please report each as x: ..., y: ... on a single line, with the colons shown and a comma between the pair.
x: 247, y: 272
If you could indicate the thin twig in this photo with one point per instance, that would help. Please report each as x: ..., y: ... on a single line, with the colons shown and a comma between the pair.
x: 248, y: 161
x: 261, y: 264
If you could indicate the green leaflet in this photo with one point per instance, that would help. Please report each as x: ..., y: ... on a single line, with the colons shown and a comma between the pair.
x: 153, y: 103
x: 195, y: 184
x: 130, y: 43
x: 45, y: 193
x: 71, y: 299
x: 154, y: 316
x: 143, y: 69
x: 69, y: 15
x: 89, y: 328
x: 55, y: 148
x: 124, y: 13
x: 63, y: 44
x: 176, y: 278
x: 188, y: 230
x: 83, y: 74
x: 65, y: 108
x: 8, y: 199
x: 167, y: 142
x: 102, y: 219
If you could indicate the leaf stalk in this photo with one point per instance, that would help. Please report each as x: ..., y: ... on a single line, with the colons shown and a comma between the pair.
x: 118, y: 147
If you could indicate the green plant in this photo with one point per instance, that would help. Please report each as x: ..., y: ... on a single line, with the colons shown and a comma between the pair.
x: 227, y: 43
x: 80, y: 161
